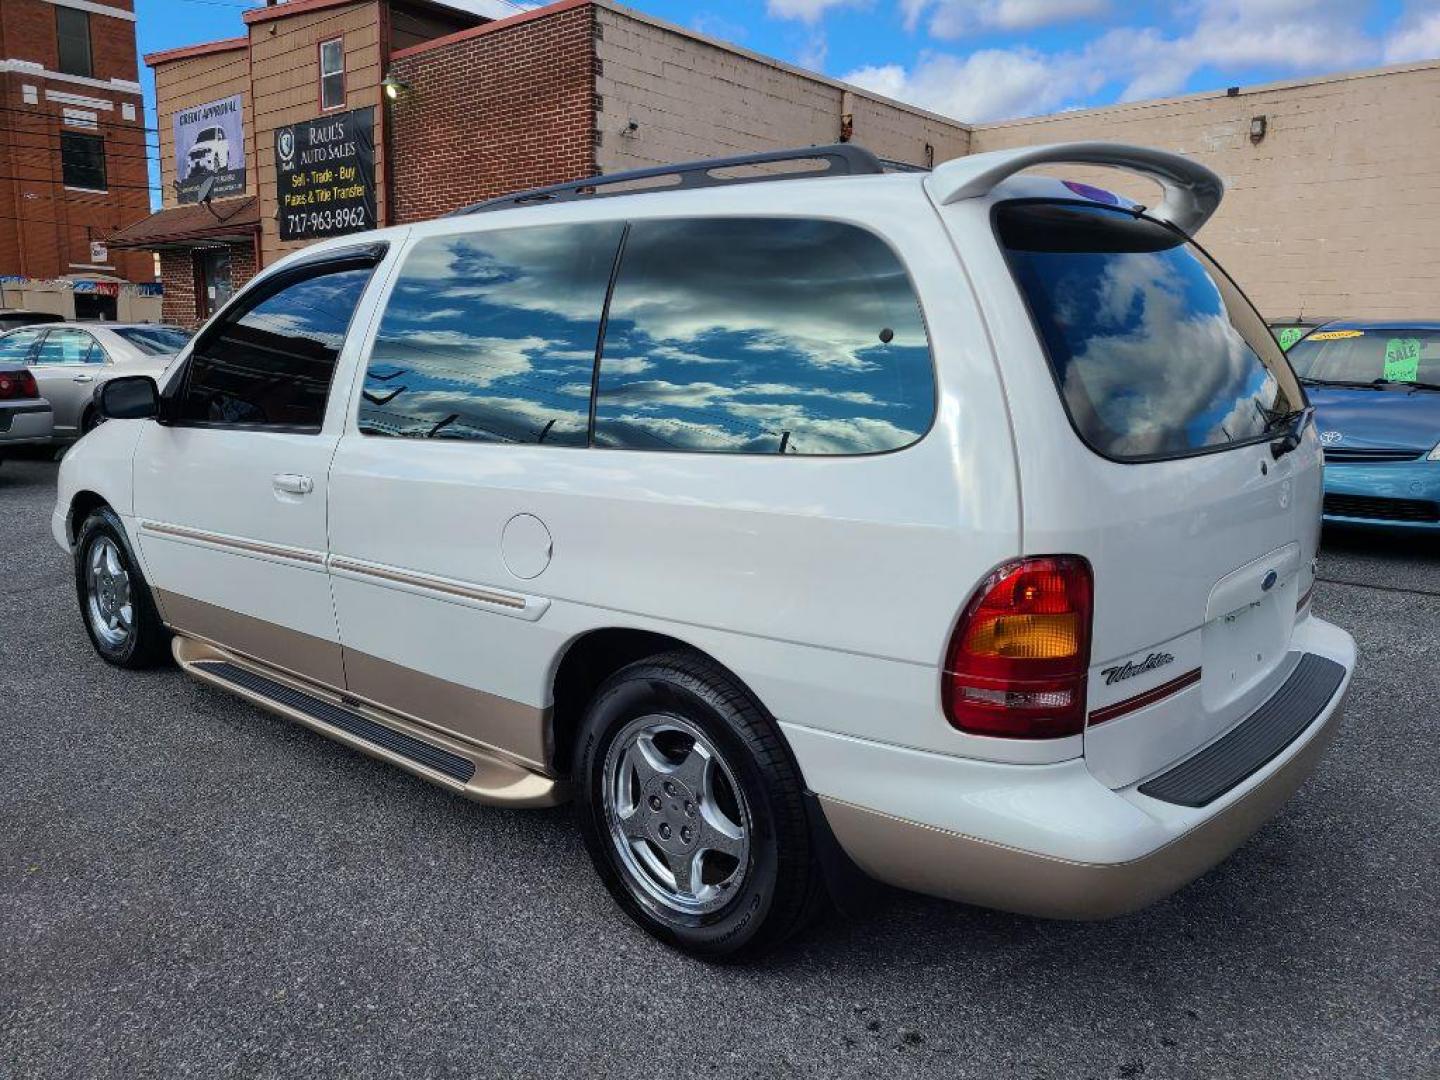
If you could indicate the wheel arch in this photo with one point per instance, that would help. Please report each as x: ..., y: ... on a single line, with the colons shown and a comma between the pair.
x: 591, y: 658
x: 82, y: 504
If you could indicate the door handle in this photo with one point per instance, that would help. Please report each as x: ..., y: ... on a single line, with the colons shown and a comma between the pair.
x: 84, y: 378
x: 293, y: 483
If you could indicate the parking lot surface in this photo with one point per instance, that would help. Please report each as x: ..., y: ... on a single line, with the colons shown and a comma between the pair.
x: 190, y: 886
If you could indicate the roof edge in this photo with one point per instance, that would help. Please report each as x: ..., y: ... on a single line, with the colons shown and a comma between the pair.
x: 205, y: 48
x: 1203, y: 95
x: 556, y: 8
x: 291, y: 7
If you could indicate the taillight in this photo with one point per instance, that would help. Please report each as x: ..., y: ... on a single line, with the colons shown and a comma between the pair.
x: 17, y: 384
x: 1017, y: 662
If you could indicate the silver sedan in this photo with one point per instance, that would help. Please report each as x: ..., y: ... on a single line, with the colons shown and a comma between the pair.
x: 69, y: 360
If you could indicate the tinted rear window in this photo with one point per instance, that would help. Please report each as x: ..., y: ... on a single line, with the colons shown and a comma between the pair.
x: 1364, y: 356
x: 1155, y: 352
x: 153, y: 340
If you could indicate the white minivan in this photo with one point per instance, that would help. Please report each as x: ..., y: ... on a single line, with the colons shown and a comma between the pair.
x: 955, y: 526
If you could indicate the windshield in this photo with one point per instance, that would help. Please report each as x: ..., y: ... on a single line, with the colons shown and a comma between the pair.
x: 1350, y: 357
x: 1155, y: 352
x: 154, y: 340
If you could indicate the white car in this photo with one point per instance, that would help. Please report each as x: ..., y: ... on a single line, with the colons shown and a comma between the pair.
x: 70, y: 359
x: 210, y: 153
x: 959, y: 527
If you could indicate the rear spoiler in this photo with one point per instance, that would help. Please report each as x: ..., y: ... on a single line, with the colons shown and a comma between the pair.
x: 1192, y: 192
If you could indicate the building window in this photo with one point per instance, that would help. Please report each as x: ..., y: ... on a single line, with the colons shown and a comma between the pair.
x: 72, y: 35
x: 82, y: 161
x: 332, y: 74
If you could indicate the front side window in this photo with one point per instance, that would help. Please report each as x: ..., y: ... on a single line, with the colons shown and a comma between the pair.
x: 762, y: 336
x: 332, y: 74
x: 67, y: 347
x: 1155, y: 352
x: 490, y: 337
x: 1368, y: 357
x: 82, y: 160
x: 268, y: 362
x: 72, y: 40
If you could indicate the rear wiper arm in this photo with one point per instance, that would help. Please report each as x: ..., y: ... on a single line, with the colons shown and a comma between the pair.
x: 1294, y: 424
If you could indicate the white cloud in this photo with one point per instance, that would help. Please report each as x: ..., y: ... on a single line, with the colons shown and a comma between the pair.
x: 989, y: 84
x: 808, y: 11
x: 1417, y: 38
x: 956, y: 18
x: 1226, y: 35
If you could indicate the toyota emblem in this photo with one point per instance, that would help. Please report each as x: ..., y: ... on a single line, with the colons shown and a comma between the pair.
x: 1330, y: 438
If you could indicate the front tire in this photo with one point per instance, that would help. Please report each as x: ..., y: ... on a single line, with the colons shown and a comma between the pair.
x: 115, y: 602
x: 693, y: 811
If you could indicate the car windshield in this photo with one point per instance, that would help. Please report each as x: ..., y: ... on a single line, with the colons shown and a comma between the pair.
x: 154, y: 340
x: 1367, y: 357
x: 1155, y: 352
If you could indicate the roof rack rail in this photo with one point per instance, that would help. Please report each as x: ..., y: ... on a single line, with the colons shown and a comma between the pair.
x: 841, y: 159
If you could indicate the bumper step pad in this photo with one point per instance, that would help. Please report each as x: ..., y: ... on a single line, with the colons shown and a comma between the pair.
x: 1255, y: 742
x: 419, y: 751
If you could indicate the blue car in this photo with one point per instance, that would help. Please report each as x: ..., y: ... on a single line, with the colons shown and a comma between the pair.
x: 1375, y: 386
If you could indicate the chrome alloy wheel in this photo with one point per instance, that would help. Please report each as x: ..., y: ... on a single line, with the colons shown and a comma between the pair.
x: 677, y: 818
x: 107, y: 591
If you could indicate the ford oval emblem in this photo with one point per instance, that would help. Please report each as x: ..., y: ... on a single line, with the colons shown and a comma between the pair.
x: 1269, y: 582
x: 1330, y: 438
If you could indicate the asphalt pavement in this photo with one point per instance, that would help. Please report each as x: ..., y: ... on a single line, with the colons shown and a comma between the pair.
x: 190, y: 886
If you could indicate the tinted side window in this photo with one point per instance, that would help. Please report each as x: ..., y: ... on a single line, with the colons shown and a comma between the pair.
x: 762, y: 336
x: 490, y: 337
x: 269, y: 361
x: 64, y: 347
x: 15, y: 347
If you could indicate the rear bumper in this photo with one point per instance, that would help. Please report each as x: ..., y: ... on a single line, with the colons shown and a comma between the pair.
x: 24, y: 424
x: 1049, y: 841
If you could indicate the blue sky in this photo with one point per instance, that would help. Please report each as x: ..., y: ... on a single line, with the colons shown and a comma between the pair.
x: 993, y: 59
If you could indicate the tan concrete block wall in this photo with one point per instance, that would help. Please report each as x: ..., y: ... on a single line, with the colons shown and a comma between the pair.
x: 1334, y: 212
x: 184, y: 84
x: 694, y: 98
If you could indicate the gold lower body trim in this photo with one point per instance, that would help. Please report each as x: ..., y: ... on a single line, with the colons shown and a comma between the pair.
x: 951, y: 865
x: 497, y: 780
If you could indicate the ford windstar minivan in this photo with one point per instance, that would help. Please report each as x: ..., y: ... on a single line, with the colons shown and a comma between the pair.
x: 958, y: 527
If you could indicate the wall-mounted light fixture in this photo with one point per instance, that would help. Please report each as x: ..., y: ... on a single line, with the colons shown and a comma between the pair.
x: 393, y: 86
x: 1258, y: 125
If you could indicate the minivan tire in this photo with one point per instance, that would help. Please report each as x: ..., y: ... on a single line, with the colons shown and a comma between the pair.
x: 780, y: 889
x: 146, y: 642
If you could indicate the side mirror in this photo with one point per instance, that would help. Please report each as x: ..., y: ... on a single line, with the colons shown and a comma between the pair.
x: 133, y: 397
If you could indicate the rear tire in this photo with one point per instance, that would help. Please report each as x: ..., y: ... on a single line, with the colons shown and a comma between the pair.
x: 693, y: 810
x: 115, y: 602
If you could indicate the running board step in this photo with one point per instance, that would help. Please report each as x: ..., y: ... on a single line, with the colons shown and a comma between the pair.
x: 362, y: 727
x: 474, y: 771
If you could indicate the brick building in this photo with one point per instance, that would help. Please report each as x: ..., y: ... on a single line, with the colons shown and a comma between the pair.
x: 481, y: 106
x: 72, y: 158
x: 1329, y: 208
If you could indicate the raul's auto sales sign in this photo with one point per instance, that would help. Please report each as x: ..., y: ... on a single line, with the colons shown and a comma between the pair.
x: 326, y: 174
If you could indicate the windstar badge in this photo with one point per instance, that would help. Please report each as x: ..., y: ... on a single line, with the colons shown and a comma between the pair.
x: 1130, y: 669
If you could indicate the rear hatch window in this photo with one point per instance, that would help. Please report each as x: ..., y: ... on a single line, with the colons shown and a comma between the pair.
x: 1154, y: 350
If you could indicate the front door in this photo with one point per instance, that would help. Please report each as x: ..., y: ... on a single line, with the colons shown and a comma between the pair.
x: 230, y: 487
x: 65, y: 368
x: 212, y: 281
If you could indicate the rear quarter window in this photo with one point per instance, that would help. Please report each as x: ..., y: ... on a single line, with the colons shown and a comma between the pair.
x: 762, y: 336
x: 1154, y: 350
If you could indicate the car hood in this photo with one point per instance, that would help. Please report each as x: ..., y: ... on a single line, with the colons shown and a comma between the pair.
x: 1391, y: 419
